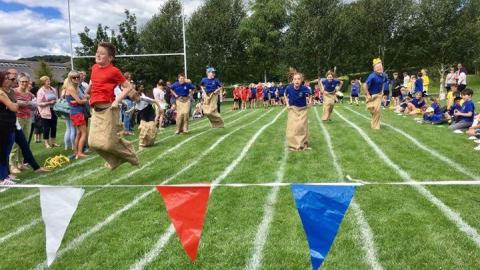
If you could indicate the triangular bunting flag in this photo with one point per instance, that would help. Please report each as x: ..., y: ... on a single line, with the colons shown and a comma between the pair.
x: 186, y: 207
x: 321, y: 209
x: 58, y: 206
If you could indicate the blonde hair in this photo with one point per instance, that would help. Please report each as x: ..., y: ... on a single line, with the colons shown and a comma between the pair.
x: 68, y: 83
x: 292, y: 72
x: 43, y: 79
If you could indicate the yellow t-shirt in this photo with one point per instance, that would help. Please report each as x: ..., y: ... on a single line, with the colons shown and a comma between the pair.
x: 426, y: 82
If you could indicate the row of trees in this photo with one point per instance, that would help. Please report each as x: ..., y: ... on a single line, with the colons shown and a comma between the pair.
x: 262, y: 38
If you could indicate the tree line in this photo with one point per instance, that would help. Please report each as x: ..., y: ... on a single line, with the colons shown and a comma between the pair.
x: 257, y: 40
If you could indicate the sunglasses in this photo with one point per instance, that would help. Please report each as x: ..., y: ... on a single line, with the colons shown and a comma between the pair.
x: 76, y: 77
x: 24, y: 81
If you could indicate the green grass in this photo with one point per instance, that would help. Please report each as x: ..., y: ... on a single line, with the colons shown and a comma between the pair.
x: 409, y: 232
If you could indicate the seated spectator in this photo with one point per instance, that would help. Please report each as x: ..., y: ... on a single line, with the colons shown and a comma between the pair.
x: 457, y: 105
x: 417, y: 105
x: 466, y: 113
x: 198, y: 113
x: 170, y: 116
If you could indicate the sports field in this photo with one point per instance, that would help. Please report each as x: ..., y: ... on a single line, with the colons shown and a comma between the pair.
x: 386, y: 227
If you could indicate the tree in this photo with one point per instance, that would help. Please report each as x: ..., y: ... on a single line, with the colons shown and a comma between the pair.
x: 43, y: 70
x: 264, y: 35
x: 163, y: 34
x: 213, y: 39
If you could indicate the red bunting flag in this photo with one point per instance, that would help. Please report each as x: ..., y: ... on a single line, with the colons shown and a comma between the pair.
x: 186, y: 207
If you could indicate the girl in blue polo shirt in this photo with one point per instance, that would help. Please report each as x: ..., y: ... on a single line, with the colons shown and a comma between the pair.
x: 419, y: 83
x: 355, y: 92
x: 466, y: 113
x: 417, y: 105
x: 266, y: 94
x: 272, y: 91
x: 329, y: 88
x: 374, y: 91
x: 297, y: 123
x: 281, y: 94
x: 211, y: 88
x: 253, y: 96
x: 182, y: 92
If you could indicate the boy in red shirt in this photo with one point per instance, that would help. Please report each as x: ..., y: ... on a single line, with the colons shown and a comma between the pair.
x: 103, y: 136
x: 260, y: 92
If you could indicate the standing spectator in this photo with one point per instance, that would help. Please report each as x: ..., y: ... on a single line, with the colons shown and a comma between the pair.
x: 450, y: 79
x: 24, y: 117
x: 426, y: 81
x: 77, y: 112
x: 406, y: 79
x: 46, y: 97
x: 461, y: 78
x: 8, y: 109
x: 159, y: 96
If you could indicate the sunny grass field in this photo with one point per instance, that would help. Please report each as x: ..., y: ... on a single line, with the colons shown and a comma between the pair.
x: 114, y: 228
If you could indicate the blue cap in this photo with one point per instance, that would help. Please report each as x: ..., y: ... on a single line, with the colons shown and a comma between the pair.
x: 211, y: 69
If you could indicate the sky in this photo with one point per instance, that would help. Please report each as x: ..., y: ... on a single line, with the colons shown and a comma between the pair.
x: 36, y: 27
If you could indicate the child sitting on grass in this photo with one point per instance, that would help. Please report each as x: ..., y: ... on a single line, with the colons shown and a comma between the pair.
x: 198, y: 113
x: 466, y: 113
x: 456, y: 105
x: 417, y: 105
x: 434, y: 114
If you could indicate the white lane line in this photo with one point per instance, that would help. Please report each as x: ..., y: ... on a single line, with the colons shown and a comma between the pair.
x: 366, y: 232
x: 19, y: 230
x: 158, y: 247
x: 90, y: 172
x: 448, y: 212
x: 255, y: 260
x: 453, y: 164
x: 79, y: 240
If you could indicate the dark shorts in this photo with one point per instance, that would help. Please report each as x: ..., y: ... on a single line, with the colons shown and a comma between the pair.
x: 396, y: 93
x: 265, y: 99
x: 461, y: 87
x: 386, y: 93
x: 354, y: 95
x: 236, y: 100
x: 251, y: 98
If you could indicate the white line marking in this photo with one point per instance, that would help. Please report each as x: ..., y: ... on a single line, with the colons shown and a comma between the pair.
x: 457, y: 166
x: 19, y: 230
x: 255, y: 261
x: 449, y: 213
x: 77, y: 241
x: 366, y: 232
x: 158, y: 247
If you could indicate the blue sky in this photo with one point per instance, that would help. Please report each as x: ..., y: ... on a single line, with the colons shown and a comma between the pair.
x: 47, y: 12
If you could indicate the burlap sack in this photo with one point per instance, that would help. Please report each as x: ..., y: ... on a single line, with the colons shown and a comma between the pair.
x: 183, y: 112
x: 210, y: 110
x: 328, y: 104
x: 148, y: 133
x: 297, y: 128
x: 104, y: 138
x: 373, y: 106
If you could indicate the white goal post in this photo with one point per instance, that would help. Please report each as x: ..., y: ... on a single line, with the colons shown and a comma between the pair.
x: 184, y: 54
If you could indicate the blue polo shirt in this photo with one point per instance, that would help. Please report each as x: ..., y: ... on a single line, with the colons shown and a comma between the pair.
x: 272, y: 91
x: 297, y: 97
x: 468, y: 106
x: 330, y: 86
x: 355, y: 89
x: 386, y: 86
x: 211, y: 84
x: 418, y: 104
x: 375, y: 82
x: 254, y: 91
x: 281, y: 91
x: 182, y: 90
x: 436, y: 108
x: 419, y: 85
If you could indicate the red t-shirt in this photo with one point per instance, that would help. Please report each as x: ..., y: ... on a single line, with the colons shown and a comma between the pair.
x: 236, y: 93
x: 24, y: 112
x: 104, y: 80
x: 245, y: 93
x: 259, y: 92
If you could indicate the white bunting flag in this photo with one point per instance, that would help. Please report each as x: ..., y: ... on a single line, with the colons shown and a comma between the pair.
x: 58, y: 206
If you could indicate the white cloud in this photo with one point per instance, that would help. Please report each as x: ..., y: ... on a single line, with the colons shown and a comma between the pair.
x: 25, y: 33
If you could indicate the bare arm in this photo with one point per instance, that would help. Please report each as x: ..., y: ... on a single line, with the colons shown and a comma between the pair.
x: 5, y: 100
x: 126, y: 87
x: 73, y: 92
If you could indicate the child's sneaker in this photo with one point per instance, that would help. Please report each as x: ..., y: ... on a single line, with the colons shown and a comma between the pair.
x: 477, y: 148
x: 472, y: 138
x: 458, y: 131
x: 476, y: 141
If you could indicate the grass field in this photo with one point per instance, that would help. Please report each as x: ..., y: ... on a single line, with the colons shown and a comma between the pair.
x: 389, y: 227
